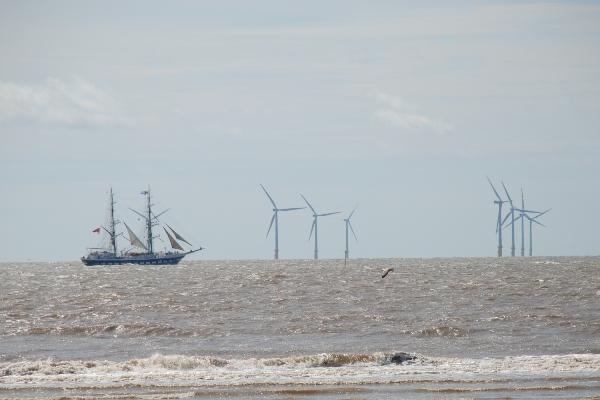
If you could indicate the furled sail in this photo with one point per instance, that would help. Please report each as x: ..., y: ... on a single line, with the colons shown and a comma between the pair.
x: 134, y: 239
x: 178, y: 236
x: 174, y: 243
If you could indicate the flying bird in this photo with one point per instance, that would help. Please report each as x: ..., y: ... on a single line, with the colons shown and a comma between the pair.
x: 386, y: 272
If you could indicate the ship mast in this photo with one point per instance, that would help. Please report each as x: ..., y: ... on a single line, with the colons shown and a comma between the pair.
x: 112, y: 231
x: 149, y: 221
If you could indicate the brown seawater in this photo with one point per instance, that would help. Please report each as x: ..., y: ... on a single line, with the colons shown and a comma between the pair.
x: 479, y: 327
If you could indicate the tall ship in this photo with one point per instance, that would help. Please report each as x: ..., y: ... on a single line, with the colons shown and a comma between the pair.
x: 139, y: 252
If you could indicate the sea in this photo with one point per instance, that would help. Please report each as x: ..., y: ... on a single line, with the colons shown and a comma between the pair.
x: 489, y: 328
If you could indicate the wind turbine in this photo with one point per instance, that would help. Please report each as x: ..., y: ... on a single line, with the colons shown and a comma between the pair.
x: 522, y: 214
x: 522, y: 224
x: 349, y: 225
x: 531, y: 220
x: 499, y: 202
x: 315, y: 225
x: 512, y: 222
x: 275, y: 219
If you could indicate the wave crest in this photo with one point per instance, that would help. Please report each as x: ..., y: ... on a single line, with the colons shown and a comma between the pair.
x: 127, y: 330
x: 442, y: 331
x: 329, y: 360
x: 183, y: 362
x: 176, y: 362
x: 170, y: 363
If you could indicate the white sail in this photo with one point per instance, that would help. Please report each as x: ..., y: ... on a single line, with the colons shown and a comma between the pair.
x: 134, y: 239
x: 174, y: 243
x: 178, y: 236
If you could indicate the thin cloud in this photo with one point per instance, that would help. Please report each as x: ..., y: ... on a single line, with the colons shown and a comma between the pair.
x: 76, y: 102
x: 396, y: 113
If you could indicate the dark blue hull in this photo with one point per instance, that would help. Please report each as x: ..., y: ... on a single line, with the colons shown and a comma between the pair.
x: 145, y: 259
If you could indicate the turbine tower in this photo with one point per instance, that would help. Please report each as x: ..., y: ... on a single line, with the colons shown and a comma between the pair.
x: 349, y: 225
x: 275, y: 219
x: 315, y: 225
x: 524, y: 214
x: 531, y: 221
x: 523, y: 224
x: 512, y: 221
x: 499, y: 202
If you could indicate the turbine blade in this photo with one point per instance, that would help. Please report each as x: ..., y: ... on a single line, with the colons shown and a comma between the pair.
x: 516, y: 219
x: 505, y: 218
x: 507, y: 195
x: 271, y: 224
x: 530, y: 211
x: 542, y: 213
x: 352, y: 229
x: 311, y: 228
x: 352, y: 213
x: 291, y: 209
x: 311, y: 207
x: 539, y: 223
x: 269, y: 196
x: 494, y: 189
x: 499, y: 220
x: 326, y: 214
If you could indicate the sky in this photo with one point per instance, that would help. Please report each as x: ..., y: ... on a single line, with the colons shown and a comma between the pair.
x: 399, y: 108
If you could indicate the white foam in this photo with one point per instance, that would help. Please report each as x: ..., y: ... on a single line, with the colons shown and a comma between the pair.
x: 320, y: 369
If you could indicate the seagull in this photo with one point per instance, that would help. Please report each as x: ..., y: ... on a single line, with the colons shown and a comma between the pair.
x: 386, y: 272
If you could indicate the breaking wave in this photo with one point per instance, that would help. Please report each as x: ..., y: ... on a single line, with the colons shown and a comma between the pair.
x: 160, y: 362
x: 443, y: 331
x: 173, y: 375
x: 182, y: 362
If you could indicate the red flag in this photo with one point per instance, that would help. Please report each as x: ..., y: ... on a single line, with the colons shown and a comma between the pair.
x: 97, y: 230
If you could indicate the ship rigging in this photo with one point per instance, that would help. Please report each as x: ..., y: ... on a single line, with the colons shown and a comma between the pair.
x: 147, y: 255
